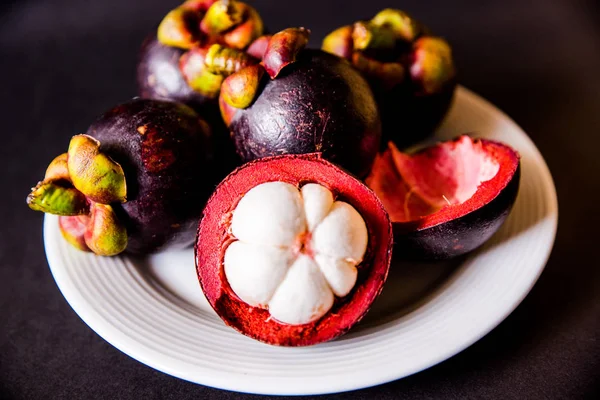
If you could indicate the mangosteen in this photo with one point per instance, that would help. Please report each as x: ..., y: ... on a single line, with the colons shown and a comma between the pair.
x: 311, y: 101
x: 447, y: 199
x: 159, y: 76
x: 411, y: 71
x: 292, y: 250
x: 185, y: 60
x: 172, y: 65
x: 136, y: 181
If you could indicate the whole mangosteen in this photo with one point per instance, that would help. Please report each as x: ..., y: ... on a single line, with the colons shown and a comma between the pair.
x: 136, y: 181
x: 292, y: 250
x: 311, y: 101
x: 411, y: 72
x: 184, y: 60
x: 171, y: 63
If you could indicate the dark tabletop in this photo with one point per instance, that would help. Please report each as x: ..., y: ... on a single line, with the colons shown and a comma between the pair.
x: 63, y: 62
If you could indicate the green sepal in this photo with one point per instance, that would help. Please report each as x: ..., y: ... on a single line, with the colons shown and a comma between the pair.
x: 93, y: 173
x: 52, y: 198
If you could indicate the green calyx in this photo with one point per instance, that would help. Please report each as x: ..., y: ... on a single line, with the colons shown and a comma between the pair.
x: 53, y: 198
x: 205, y: 69
x: 58, y: 170
x: 222, y: 16
x: 106, y: 235
x: 208, y: 84
x: 215, y: 34
x: 100, y: 231
x: 367, y: 36
x: 93, y: 173
x: 340, y: 42
x: 177, y: 29
x: 225, y: 61
x: 240, y: 89
x: 203, y: 22
x: 432, y: 67
x: 392, y: 48
x: 402, y: 25
x: 79, y: 186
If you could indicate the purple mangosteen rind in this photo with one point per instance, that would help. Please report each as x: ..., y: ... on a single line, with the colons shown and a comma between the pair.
x: 165, y: 151
x: 159, y: 76
x: 415, y: 116
x: 314, y: 102
x: 461, y: 235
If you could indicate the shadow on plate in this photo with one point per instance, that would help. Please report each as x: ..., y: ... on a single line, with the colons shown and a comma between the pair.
x: 409, y: 285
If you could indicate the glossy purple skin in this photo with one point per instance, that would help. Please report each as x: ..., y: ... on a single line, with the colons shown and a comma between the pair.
x: 407, y: 118
x: 166, y: 155
x: 159, y: 76
x: 317, y: 104
x: 461, y: 235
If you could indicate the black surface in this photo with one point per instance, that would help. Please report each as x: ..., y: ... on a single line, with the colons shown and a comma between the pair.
x: 64, y: 62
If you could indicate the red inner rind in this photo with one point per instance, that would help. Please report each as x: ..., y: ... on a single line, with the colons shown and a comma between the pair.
x: 213, y: 238
x: 411, y: 211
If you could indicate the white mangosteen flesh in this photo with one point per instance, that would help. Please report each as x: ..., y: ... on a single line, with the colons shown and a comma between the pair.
x: 294, y: 250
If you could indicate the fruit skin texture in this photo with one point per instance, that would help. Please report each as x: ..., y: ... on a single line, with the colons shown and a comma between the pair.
x: 166, y: 154
x: 458, y: 229
x: 159, y: 76
x: 319, y: 103
x: 213, y: 238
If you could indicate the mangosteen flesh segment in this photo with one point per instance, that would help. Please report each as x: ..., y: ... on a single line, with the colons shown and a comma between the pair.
x: 292, y: 250
x: 317, y: 104
x: 449, y: 198
x: 295, y: 250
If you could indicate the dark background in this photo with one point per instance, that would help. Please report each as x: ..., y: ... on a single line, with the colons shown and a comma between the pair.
x: 63, y: 62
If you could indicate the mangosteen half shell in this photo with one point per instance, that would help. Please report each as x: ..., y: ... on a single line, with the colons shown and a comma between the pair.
x: 292, y: 250
x: 447, y: 199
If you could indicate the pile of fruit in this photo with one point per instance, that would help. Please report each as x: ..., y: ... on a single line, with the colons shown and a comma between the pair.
x: 315, y: 192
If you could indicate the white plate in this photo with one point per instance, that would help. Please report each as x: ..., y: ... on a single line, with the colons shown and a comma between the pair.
x: 153, y: 309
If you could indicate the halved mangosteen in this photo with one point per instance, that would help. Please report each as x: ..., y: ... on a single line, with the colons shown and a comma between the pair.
x: 292, y: 250
x: 448, y: 199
